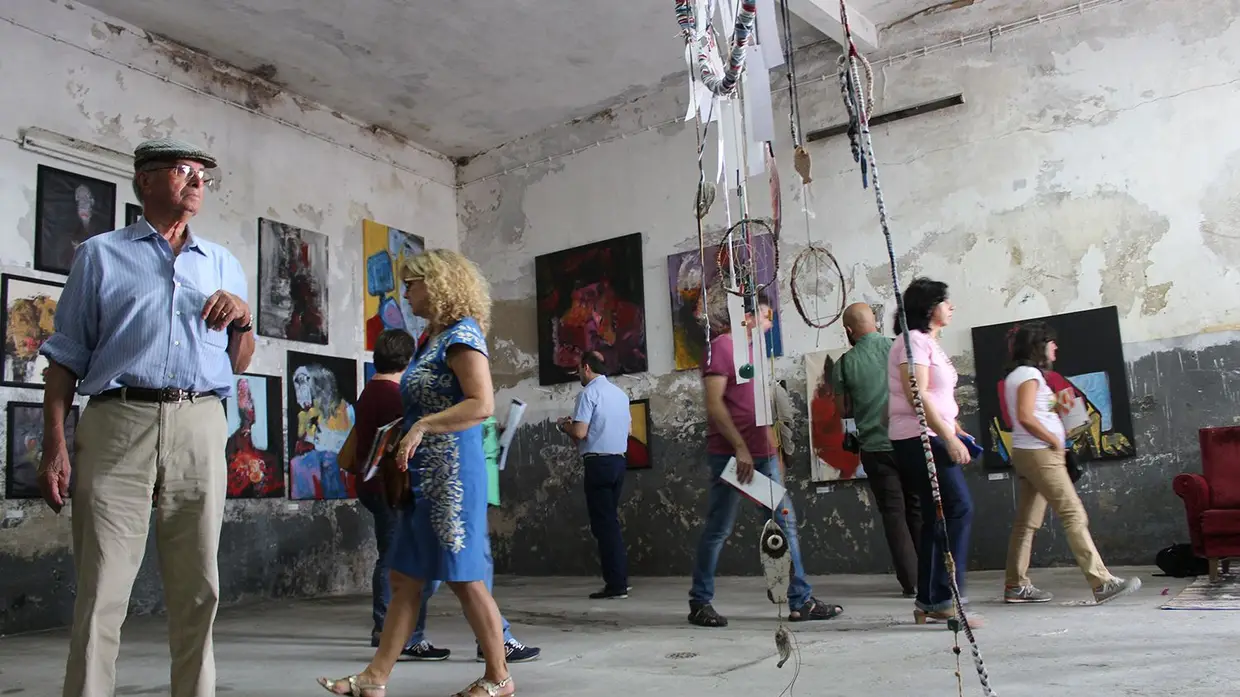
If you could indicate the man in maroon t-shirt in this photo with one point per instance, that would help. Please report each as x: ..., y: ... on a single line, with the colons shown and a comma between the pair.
x: 732, y: 431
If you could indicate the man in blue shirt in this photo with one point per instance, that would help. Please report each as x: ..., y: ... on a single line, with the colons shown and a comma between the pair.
x: 152, y: 324
x: 600, y: 425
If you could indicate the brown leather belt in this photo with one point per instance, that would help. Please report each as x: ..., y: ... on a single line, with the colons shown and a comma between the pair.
x: 147, y: 394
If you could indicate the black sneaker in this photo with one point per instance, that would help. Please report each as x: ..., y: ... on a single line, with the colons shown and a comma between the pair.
x: 515, y: 652
x: 423, y: 651
x: 374, y: 639
x: 610, y: 594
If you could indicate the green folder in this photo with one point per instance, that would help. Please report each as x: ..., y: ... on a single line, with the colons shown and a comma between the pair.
x: 490, y: 446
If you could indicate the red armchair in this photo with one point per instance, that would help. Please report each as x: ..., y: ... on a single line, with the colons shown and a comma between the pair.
x: 1212, y: 498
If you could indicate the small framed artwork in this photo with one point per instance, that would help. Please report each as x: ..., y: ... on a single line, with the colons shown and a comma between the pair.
x: 638, y: 454
x: 255, y: 447
x: 69, y: 209
x: 25, y: 448
x: 28, y: 307
x: 132, y: 212
x: 368, y: 372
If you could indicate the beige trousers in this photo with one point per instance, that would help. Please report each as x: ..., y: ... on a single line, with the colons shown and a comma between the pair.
x: 1044, y: 479
x: 125, y: 452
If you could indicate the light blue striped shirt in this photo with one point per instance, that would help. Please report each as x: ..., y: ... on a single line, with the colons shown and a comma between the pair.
x: 130, y: 314
x: 605, y: 408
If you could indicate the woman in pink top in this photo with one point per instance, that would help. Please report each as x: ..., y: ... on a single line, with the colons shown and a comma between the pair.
x: 927, y: 310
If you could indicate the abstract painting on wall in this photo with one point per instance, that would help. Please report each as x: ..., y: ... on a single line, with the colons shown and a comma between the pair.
x: 69, y: 209
x: 292, y: 283
x: 684, y: 280
x: 254, y: 450
x: 1090, y: 362
x: 132, y: 212
x: 321, y: 394
x: 25, y: 448
x: 638, y: 454
x: 829, y: 461
x: 29, y: 307
x: 591, y: 298
x: 368, y: 372
x: 385, y: 251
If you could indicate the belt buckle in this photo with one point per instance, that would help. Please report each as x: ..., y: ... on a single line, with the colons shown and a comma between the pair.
x: 176, y: 396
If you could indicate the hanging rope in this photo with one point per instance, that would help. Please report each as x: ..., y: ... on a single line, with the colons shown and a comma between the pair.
x: 701, y: 39
x: 866, y: 140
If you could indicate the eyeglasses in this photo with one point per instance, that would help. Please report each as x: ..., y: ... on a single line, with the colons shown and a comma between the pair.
x: 411, y: 279
x: 185, y: 172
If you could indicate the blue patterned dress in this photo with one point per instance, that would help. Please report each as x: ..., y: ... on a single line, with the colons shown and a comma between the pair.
x: 442, y: 535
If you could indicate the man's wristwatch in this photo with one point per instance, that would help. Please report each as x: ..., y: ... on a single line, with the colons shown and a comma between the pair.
x: 249, y: 324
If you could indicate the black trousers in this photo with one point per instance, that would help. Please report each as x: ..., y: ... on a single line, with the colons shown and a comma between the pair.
x: 604, y: 482
x: 897, y: 493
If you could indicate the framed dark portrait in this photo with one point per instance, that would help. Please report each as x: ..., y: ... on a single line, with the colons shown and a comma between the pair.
x: 132, y: 212
x: 69, y: 209
x: 25, y: 448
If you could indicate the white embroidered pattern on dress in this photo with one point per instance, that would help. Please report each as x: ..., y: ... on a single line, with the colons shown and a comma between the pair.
x: 433, y: 386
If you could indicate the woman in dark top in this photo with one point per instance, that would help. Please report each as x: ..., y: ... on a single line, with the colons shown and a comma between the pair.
x: 380, y: 404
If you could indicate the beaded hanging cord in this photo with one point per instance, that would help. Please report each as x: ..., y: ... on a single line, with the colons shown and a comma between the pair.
x: 858, y: 105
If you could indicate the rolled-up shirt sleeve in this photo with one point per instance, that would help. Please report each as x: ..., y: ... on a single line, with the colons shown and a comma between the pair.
x: 76, y: 326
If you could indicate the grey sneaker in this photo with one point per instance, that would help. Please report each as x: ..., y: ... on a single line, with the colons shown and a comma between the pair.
x: 1025, y: 594
x: 1116, y: 588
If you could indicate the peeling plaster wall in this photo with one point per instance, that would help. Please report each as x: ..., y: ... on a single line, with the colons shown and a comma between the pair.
x: 1094, y: 163
x: 269, y: 548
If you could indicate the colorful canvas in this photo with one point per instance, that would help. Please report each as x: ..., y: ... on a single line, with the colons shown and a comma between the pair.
x: 385, y: 251
x: 368, y: 371
x: 25, y: 448
x: 254, y: 449
x: 69, y: 209
x: 638, y: 454
x: 829, y: 461
x: 591, y: 298
x: 29, y: 306
x: 132, y: 212
x: 321, y: 394
x: 684, y: 280
x: 1090, y: 362
x: 292, y: 283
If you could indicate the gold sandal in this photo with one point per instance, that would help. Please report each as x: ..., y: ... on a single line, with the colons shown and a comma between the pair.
x: 356, y: 688
x: 492, y: 689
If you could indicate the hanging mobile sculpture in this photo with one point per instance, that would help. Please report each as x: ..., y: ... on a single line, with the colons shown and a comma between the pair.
x: 858, y: 103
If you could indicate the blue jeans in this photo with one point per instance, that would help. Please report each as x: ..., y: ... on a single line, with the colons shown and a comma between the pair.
x: 419, y: 632
x: 933, y: 584
x: 385, y: 534
x: 724, y: 502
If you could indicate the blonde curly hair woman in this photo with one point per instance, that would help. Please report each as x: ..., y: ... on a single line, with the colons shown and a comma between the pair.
x: 442, y: 534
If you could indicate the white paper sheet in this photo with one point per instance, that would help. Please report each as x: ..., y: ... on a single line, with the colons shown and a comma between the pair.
x: 761, y: 489
x: 768, y: 34
x: 516, y: 411
x: 762, y: 378
x: 761, y: 118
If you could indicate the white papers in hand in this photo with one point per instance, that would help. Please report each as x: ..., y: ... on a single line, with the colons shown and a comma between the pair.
x: 516, y: 411
x: 761, y: 489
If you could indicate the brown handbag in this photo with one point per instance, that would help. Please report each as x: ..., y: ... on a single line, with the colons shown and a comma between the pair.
x: 395, y: 482
x: 346, y: 459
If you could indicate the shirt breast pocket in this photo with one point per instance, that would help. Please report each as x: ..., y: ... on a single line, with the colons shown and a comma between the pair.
x: 216, y: 339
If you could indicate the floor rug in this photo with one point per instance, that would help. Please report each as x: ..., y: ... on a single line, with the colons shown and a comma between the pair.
x: 1202, y: 594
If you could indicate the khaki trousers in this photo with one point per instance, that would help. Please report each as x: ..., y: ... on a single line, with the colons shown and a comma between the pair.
x: 1044, y: 479
x: 125, y: 452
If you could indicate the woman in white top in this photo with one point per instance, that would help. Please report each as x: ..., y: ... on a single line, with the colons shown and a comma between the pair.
x: 1038, y: 456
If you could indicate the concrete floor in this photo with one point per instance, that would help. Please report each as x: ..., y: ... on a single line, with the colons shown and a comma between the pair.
x: 644, y: 645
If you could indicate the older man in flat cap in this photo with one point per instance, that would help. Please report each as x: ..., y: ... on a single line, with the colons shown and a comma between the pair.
x: 152, y: 324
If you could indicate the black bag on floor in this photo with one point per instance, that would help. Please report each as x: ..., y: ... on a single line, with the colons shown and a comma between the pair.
x: 1178, y: 561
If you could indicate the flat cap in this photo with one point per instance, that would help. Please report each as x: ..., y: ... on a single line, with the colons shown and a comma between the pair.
x: 163, y: 149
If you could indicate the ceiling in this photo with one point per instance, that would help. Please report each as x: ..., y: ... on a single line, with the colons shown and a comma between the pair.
x: 461, y: 76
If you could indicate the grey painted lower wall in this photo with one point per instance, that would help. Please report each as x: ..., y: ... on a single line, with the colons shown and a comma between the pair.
x: 1176, y: 387
x: 325, y: 548
x: 267, y: 551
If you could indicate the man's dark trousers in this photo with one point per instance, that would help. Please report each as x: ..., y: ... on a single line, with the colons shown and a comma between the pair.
x: 604, y: 478
x: 896, y: 493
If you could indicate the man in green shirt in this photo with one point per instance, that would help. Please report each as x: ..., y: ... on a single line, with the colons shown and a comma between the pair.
x: 860, y: 380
